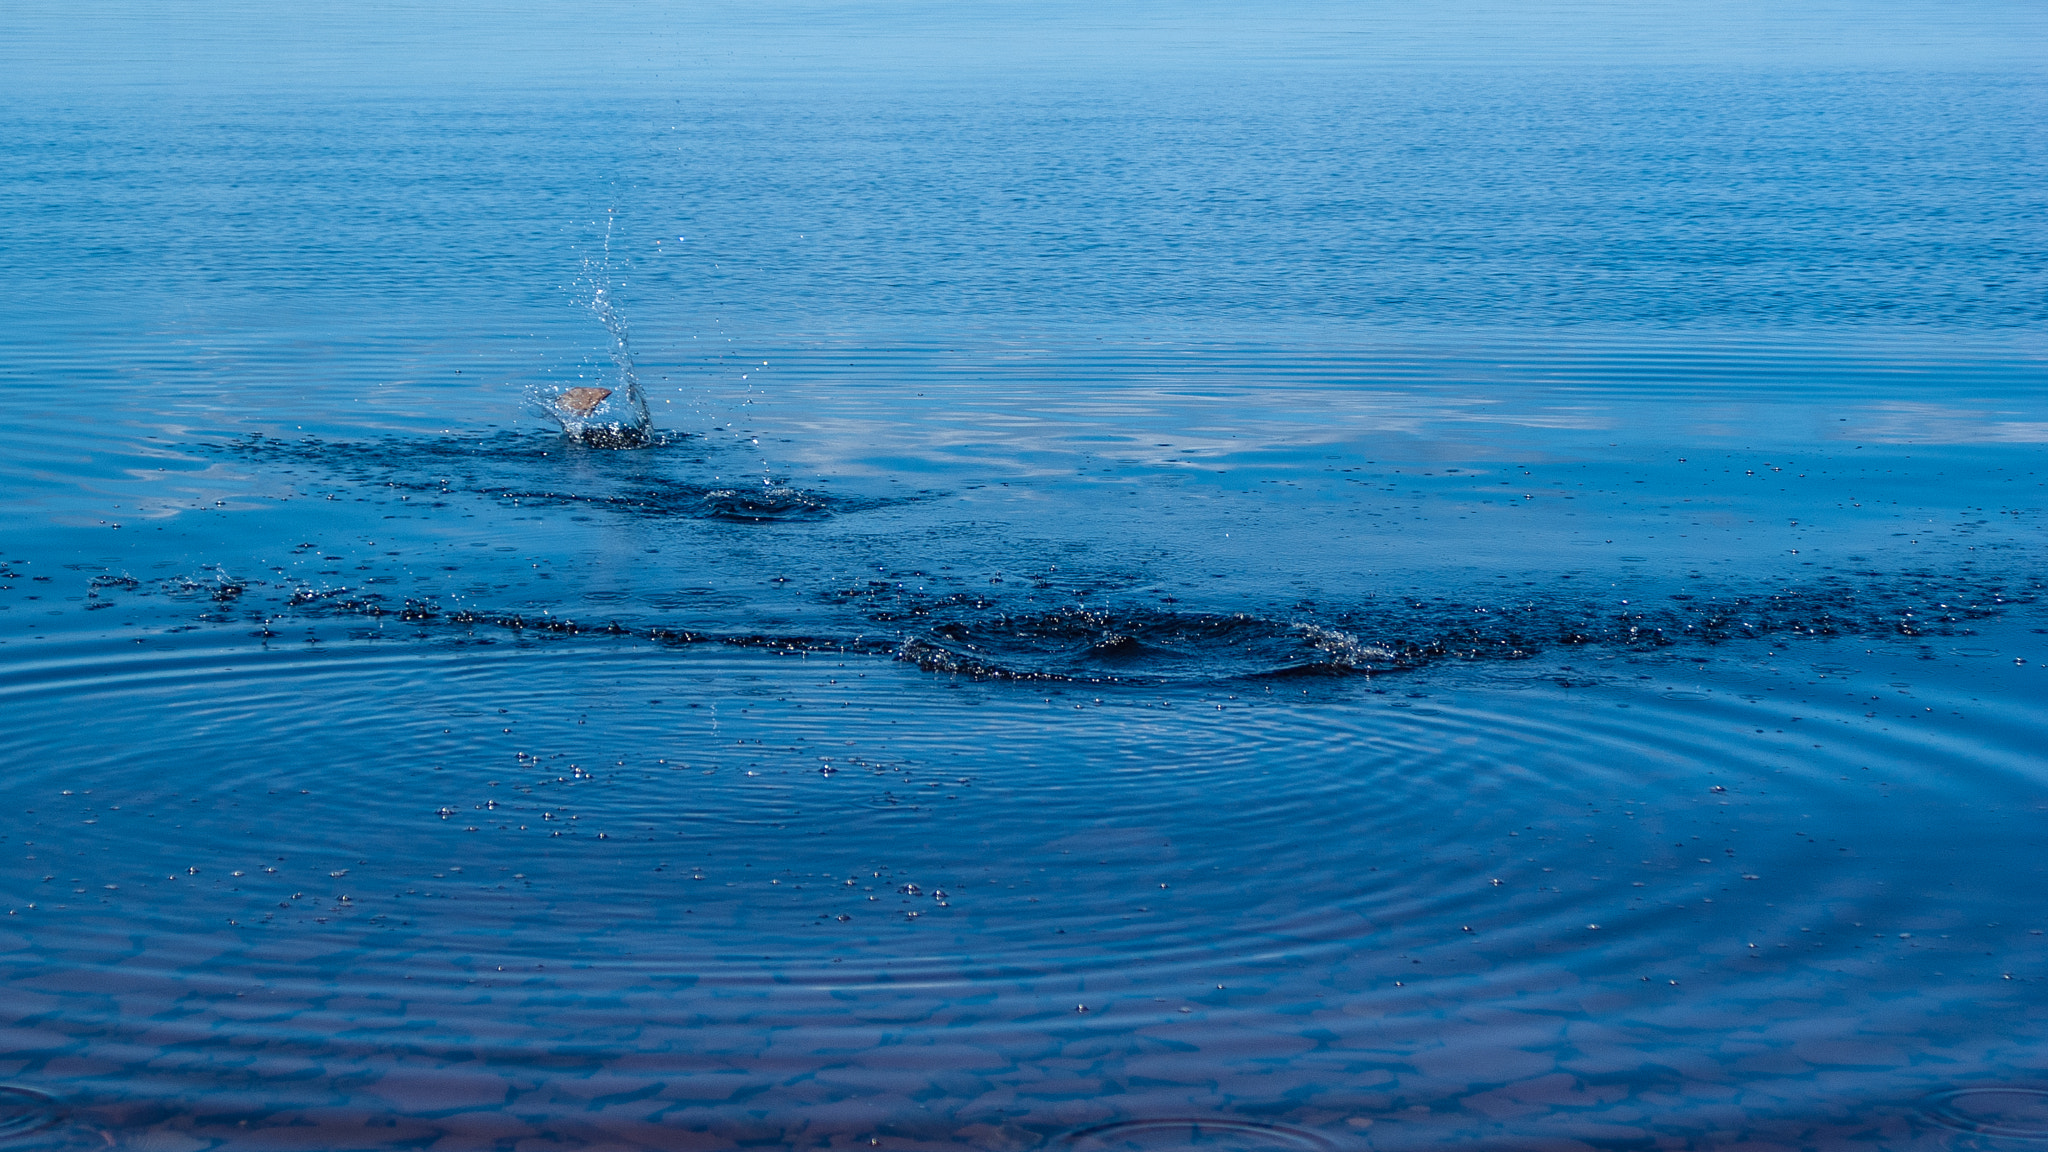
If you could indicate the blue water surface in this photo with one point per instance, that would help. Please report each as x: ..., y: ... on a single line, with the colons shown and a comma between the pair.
x: 1309, y: 577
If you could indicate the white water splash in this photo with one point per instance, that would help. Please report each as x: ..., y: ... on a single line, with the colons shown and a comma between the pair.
x: 614, y: 417
x: 1345, y: 650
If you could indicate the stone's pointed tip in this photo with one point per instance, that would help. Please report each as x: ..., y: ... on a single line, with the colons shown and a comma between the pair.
x: 581, y: 400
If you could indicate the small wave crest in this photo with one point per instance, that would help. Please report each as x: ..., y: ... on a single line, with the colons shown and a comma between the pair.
x: 768, y: 502
x: 1103, y: 646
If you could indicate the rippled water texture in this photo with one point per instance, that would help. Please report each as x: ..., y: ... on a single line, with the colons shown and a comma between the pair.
x: 1347, y: 579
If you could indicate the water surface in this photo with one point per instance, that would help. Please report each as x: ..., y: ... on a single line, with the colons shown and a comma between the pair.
x: 1349, y: 580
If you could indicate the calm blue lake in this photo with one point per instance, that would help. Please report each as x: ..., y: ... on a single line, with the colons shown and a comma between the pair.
x: 1334, y: 576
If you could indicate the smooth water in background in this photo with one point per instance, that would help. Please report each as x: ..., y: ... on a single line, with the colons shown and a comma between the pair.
x: 1333, y: 578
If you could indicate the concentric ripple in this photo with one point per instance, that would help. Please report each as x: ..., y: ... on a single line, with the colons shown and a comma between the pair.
x: 1220, y: 1133
x: 2015, y: 1113
x: 758, y: 896
x: 25, y: 1110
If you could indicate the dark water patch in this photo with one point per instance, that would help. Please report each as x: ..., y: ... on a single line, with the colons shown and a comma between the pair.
x: 752, y: 505
x: 613, y: 436
x: 769, y: 502
x: 1152, y: 644
x: 1003, y: 635
x: 502, y: 467
x: 1143, y: 645
x: 382, y: 458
